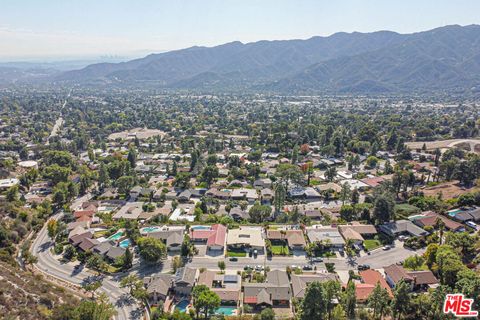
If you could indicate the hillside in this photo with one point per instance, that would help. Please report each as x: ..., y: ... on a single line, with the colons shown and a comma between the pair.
x: 446, y: 58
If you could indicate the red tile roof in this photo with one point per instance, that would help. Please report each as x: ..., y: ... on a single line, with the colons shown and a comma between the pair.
x: 373, y: 277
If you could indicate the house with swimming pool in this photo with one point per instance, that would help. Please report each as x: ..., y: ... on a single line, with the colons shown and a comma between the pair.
x: 275, y: 292
x: 172, y: 237
x: 213, y: 236
x: 227, y: 286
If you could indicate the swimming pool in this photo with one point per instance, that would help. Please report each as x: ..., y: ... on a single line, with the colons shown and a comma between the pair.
x: 200, y: 228
x: 125, y: 243
x: 226, y: 310
x: 453, y: 213
x: 182, y: 305
x: 149, y: 229
x: 116, y: 236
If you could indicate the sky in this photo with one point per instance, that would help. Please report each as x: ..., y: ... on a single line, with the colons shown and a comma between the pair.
x: 74, y: 29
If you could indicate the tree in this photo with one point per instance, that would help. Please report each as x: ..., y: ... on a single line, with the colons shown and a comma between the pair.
x: 383, y: 209
x: 103, y: 178
x: 279, y: 198
x: 208, y: 301
x: 12, y: 194
x: 92, y: 285
x: 338, y: 313
x: 132, y: 157
x: 378, y: 301
x: 314, y: 304
x: 151, y: 249
x: 176, y: 263
x: 100, y: 309
x: 259, y: 213
x: 52, y: 227
x: 330, y: 174
x: 345, y: 192
x: 221, y: 265
x: 413, y: 262
x: 430, y: 255
x: 125, y: 183
x: 196, y: 292
x: 127, y: 260
x: 401, y: 299
x: 350, y: 300
x: 209, y: 173
x: 355, y: 197
x: 132, y: 282
x: 347, y: 212
x: 449, y: 265
x: 267, y: 314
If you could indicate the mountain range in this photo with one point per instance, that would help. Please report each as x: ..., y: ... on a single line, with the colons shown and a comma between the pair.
x: 442, y: 59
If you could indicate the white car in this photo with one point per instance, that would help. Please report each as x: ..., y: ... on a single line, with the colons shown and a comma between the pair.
x: 472, y: 225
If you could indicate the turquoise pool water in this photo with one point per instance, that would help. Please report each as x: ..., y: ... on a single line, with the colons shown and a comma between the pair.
x: 227, y: 311
x: 182, y: 305
x: 201, y: 228
x: 125, y: 243
x: 149, y: 229
x: 116, y: 236
x: 453, y: 213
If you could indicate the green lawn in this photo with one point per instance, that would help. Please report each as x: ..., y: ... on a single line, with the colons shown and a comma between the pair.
x: 280, y: 250
x: 371, y: 244
x: 236, y: 254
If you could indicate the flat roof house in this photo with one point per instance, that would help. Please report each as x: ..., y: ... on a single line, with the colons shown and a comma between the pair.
x: 326, y: 234
x: 246, y: 238
x: 131, y: 211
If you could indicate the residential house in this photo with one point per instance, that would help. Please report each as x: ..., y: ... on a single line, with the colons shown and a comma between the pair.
x: 430, y: 218
x: 400, y: 227
x: 357, y: 232
x: 172, y: 238
x: 238, y: 214
x: 264, y: 183
x: 158, y: 287
x: 369, y: 279
x: 246, y: 238
x: 300, y: 282
x: 249, y: 195
x: 214, y: 237
x: 326, y: 234
x: 275, y: 292
x: 418, y: 280
x: 130, y: 211
x: 185, y: 279
x: 227, y: 286
x: 293, y: 238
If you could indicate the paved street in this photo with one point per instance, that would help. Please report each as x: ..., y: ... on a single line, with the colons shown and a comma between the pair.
x: 127, y: 309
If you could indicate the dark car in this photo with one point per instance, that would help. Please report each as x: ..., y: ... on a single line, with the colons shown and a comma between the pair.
x: 362, y: 267
x: 233, y: 259
x: 307, y: 267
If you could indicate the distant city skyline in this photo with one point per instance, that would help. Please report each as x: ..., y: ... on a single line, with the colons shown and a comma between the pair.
x: 55, y: 29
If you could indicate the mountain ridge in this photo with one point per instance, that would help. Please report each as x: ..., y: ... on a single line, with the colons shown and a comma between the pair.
x: 445, y: 58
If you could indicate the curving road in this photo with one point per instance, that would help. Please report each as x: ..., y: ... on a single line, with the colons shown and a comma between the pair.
x: 41, y: 248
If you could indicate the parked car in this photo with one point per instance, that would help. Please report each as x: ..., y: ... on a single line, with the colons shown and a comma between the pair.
x: 387, y: 247
x: 307, y: 267
x: 317, y: 260
x: 248, y: 267
x: 362, y: 267
x: 472, y: 225
x: 259, y: 268
x: 233, y: 259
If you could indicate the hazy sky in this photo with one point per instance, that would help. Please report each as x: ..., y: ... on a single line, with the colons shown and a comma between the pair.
x: 81, y: 28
